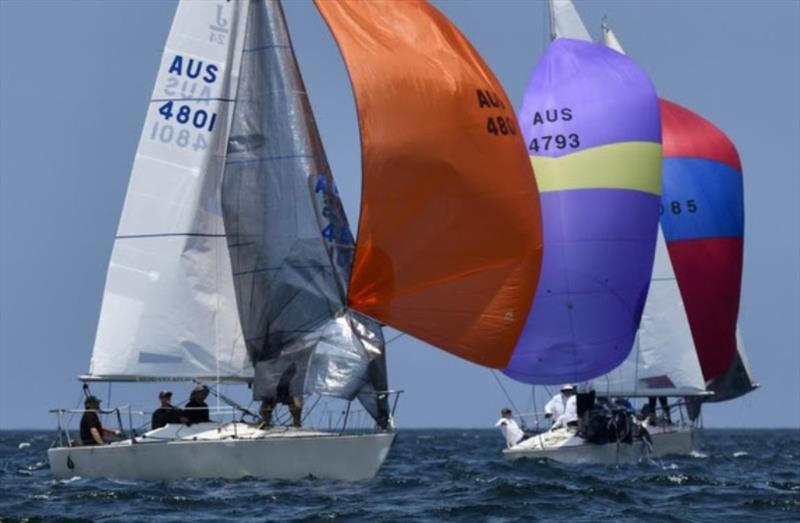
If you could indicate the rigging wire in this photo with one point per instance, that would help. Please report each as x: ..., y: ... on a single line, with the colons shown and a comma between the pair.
x: 502, y: 387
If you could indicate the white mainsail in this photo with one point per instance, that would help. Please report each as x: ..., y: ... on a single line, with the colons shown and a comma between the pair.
x: 169, y: 309
x: 565, y: 22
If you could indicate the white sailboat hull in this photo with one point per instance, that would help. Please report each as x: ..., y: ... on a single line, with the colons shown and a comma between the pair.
x: 278, y: 454
x: 565, y: 447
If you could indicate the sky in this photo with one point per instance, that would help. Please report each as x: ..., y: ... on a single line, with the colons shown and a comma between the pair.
x: 75, y: 81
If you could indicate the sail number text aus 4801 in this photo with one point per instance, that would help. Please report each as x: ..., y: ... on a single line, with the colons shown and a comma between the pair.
x: 199, y: 118
x: 557, y: 141
x: 500, y: 125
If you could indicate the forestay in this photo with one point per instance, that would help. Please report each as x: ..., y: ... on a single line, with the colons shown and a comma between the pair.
x: 168, y: 308
x: 449, y: 241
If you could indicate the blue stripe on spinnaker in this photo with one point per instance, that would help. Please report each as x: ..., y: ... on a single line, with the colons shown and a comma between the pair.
x: 701, y: 199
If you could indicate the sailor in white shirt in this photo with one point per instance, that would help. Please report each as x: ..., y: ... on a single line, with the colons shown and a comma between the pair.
x: 557, y: 405
x: 570, y: 416
x: 509, y: 428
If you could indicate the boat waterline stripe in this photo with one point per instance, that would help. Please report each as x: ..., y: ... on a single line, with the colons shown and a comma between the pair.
x: 629, y: 165
x: 169, y: 235
x: 270, y: 159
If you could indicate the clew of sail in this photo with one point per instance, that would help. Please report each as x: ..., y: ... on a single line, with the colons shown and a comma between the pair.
x: 597, y: 159
x: 290, y: 245
x: 449, y: 240
x: 168, y: 307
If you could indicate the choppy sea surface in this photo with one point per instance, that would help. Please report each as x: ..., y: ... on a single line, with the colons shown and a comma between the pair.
x: 437, y: 475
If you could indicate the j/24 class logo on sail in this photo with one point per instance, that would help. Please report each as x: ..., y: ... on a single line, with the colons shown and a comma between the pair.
x: 181, y: 122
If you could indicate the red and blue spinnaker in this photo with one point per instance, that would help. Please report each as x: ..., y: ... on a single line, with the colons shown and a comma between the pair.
x: 703, y: 223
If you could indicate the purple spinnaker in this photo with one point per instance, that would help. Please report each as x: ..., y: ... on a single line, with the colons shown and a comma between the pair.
x: 599, y: 232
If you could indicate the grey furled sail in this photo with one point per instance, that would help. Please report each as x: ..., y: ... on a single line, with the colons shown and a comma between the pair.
x: 289, y: 241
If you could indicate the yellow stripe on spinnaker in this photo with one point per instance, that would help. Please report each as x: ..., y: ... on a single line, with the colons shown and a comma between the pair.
x: 627, y: 165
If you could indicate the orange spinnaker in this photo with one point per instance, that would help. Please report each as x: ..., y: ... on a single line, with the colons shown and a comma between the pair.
x: 449, y: 240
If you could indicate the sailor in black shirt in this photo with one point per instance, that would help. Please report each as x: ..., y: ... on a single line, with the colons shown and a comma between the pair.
x: 166, y: 413
x: 196, y: 410
x: 92, y: 431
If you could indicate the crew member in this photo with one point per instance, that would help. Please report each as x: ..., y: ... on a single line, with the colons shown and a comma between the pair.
x: 509, y: 428
x: 284, y: 396
x: 92, y: 431
x: 557, y: 404
x: 196, y: 410
x: 166, y: 413
x: 569, y: 418
x: 662, y: 400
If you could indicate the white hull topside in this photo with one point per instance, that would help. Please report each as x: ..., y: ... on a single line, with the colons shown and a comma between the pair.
x: 565, y: 446
x: 233, y: 450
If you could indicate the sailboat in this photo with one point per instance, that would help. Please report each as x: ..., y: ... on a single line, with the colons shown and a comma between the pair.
x: 234, y: 261
x: 667, y: 359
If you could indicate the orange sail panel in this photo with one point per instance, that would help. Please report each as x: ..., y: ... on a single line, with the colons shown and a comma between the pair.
x: 449, y: 240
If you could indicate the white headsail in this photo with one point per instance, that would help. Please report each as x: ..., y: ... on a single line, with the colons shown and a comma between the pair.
x: 169, y: 309
x: 664, y: 361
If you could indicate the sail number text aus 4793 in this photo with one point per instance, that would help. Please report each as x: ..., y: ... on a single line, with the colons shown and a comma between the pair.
x: 557, y: 141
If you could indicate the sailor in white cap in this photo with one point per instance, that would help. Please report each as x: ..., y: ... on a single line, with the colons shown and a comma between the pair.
x: 562, y: 407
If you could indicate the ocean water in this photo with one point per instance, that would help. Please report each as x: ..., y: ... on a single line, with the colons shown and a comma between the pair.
x: 437, y: 475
